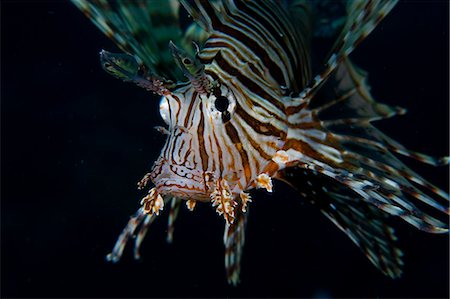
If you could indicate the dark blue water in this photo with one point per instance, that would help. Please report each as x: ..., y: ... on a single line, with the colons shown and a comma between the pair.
x: 74, y: 142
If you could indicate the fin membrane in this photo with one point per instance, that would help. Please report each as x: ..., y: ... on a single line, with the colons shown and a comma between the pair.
x: 335, y: 127
x: 363, y: 223
x: 140, y: 28
x: 234, y: 240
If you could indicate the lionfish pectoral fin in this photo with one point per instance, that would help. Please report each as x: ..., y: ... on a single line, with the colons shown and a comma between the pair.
x: 332, y: 134
x: 363, y: 223
x: 343, y: 99
x: 234, y: 240
x: 397, y: 148
x: 173, y: 214
x: 392, y: 189
x: 138, y: 225
x: 139, y: 221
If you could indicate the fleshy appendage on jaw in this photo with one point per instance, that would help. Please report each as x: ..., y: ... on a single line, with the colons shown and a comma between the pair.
x: 175, y: 182
x: 179, y: 181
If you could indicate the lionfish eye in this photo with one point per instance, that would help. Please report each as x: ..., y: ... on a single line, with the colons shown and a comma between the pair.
x: 164, y: 110
x: 187, y: 61
x: 221, y: 103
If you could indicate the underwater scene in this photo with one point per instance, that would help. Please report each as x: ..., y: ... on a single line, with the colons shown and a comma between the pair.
x: 225, y: 148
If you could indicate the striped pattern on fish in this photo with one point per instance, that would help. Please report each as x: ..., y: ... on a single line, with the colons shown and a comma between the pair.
x: 249, y: 110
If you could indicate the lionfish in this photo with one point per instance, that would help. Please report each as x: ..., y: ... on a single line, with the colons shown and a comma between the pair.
x: 242, y: 108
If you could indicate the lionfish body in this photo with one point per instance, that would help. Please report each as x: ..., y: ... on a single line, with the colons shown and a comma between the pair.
x: 244, y: 109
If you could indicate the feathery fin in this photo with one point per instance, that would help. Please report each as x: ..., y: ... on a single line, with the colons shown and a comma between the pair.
x: 173, y: 214
x: 140, y: 28
x: 363, y: 223
x: 234, y: 240
x: 343, y: 145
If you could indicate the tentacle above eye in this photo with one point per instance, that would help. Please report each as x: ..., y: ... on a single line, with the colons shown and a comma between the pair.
x: 192, y: 68
x: 126, y: 68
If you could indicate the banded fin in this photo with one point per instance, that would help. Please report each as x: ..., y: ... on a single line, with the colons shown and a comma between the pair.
x: 362, y: 18
x: 332, y: 135
x: 234, y: 240
x: 137, y: 228
x: 354, y: 104
x: 175, y: 204
x: 363, y: 223
x: 196, y: 10
x: 259, y: 34
x: 140, y: 28
x: 139, y: 221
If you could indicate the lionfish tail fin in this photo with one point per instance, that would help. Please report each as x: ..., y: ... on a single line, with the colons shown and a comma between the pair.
x: 362, y: 222
x: 140, y: 28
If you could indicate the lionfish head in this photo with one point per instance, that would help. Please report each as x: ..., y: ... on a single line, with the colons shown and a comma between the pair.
x: 193, y: 163
x: 218, y: 144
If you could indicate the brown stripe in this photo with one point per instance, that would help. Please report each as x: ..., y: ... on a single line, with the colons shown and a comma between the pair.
x: 251, y: 103
x: 186, y: 119
x: 303, y: 148
x: 201, y: 141
x: 259, y: 127
x: 250, y: 84
x: 255, y: 145
x: 179, y: 107
x: 211, y: 44
x: 285, y: 41
x: 253, y: 46
x: 295, y: 109
x: 233, y: 134
x: 279, y: 77
x: 219, y: 152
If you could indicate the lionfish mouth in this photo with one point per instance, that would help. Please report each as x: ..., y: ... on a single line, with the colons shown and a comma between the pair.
x: 180, y: 189
x: 174, y: 180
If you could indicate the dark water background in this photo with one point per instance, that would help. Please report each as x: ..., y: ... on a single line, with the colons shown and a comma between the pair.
x: 74, y: 142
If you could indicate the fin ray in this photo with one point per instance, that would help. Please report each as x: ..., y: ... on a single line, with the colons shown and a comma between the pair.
x: 362, y: 222
x: 234, y: 240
